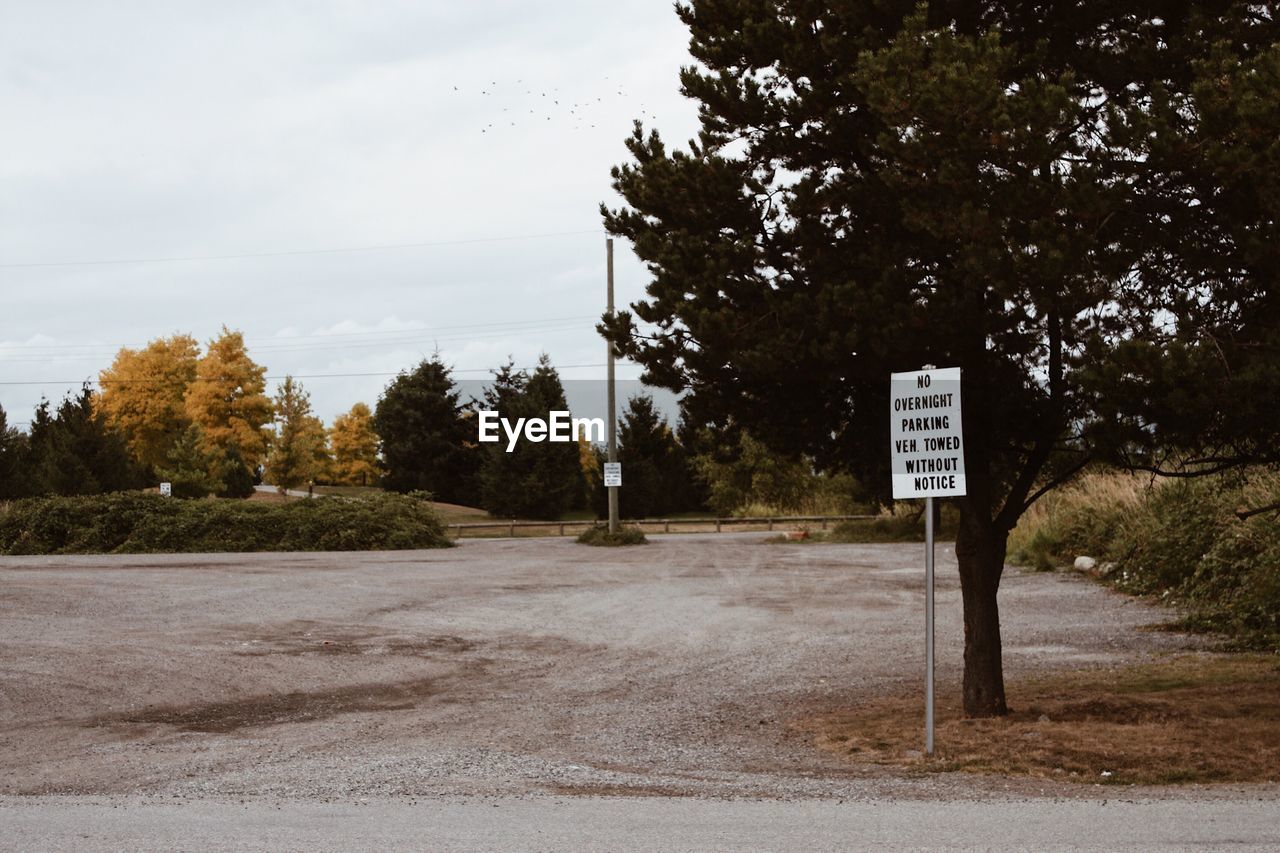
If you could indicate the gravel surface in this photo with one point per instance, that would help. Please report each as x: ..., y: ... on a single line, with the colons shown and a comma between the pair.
x: 505, y: 669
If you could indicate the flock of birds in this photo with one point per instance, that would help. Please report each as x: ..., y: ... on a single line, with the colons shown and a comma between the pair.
x: 528, y: 104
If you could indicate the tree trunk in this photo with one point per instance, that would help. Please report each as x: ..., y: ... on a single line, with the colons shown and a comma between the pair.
x: 980, y: 550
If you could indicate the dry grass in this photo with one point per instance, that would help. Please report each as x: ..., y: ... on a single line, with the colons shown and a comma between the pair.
x: 1203, y: 718
x: 1104, y: 488
x: 1074, y: 514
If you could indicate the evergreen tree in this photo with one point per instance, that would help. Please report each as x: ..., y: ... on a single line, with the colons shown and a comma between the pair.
x: 39, y: 460
x: 694, y: 439
x: 655, y: 473
x: 507, y: 386
x: 537, y: 479
x: 645, y: 448
x: 13, y: 446
x: 299, y: 454
x: 1074, y: 203
x: 189, y: 465
x: 234, y: 479
x: 75, y: 452
x: 659, y: 475
x: 427, y: 435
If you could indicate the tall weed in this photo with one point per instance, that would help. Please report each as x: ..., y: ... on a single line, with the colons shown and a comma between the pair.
x: 1084, y: 517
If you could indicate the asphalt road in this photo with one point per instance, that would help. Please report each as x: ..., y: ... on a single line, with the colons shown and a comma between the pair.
x: 532, y: 694
x: 650, y: 823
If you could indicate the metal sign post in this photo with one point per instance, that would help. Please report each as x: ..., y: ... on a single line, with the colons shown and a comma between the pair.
x: 928, y: 626
x: 927, y: 461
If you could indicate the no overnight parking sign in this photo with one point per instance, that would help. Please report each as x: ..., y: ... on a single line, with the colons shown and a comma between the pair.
x: 925, y: 439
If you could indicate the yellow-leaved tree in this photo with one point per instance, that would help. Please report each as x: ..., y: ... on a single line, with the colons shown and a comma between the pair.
x: 227, y: 401
x: 299, y: 454
x: 143, y: 393
x: 354, y: 447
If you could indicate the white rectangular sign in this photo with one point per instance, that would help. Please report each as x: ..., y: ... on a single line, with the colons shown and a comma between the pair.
x: 166, y: 489
x: 612, y: 474
x: 925, y: 439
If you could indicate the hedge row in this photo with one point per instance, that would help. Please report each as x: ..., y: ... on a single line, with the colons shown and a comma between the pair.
x: 136, y: 523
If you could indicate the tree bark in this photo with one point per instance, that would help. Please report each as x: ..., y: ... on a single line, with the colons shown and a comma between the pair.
x: 980, y: 551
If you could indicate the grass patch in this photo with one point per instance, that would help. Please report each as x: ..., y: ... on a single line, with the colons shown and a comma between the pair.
x: 137, y: 523
x: 899, y: 528
x: 903, y: 527
x: 1193, y: 719
x: 600, y: 536
x: 906, y: 526
x: 348, y: 491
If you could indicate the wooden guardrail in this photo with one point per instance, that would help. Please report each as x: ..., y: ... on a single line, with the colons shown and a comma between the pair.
x: 720, y: 523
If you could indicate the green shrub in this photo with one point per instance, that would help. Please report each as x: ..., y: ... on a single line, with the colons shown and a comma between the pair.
x: 1235, y: 589
x: 130, y: 522
x: 1180, y: 541
x: 1222, y: 572
x: 237, y: 480
x: 1159, y: 546
x: 600, y: 535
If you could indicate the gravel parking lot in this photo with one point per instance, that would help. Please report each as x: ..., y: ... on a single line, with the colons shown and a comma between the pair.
x: 502, y: 669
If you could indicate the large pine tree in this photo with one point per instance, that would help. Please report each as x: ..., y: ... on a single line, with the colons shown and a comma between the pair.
x: 427, y: 435
x: 73, y: 451
x: 536, y: 479
x: 657, y: 477
x: 13, y: 445
x: 1073, y: 202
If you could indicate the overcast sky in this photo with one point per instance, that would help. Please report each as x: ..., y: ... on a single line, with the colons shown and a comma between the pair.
x: 188, y: 130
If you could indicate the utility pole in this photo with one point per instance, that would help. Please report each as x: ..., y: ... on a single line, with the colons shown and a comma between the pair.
x: 612, y: 401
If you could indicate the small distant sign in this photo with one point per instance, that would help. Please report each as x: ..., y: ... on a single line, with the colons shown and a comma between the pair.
x: 166, y: 489
x: 925, y: 439
x: 612, y: 474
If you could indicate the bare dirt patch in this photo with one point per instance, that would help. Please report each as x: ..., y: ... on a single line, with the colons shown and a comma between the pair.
x: 1202, y: 718
x: 316, y: 638
x: 274, y: 709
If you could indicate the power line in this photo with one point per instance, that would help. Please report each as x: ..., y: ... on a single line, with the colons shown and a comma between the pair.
x: 88, y: 381
x: 296, y: 252
x: 288, y: 342
x: 285, y: 347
